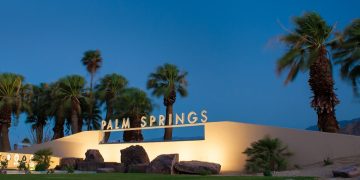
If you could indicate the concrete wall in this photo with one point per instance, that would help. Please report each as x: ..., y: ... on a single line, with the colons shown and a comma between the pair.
x: 224, y: 143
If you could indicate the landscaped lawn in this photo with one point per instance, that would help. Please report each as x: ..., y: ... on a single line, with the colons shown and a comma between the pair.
x: 120, y: 176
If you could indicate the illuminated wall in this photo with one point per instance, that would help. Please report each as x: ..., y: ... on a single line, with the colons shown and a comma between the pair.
x: 224, y: 143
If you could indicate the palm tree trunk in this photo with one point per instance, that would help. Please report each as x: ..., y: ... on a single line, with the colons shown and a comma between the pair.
x: 5, y: 138
x: 39, y: 133
x: 5, y: 118
x: 92, y: 101
x: 74, y: 121
x: 0, y: 136
x: 324, y: 99
x: 80, y: 122
x: 168, y: 131
x: 109, y: 112
x: 59, y: 124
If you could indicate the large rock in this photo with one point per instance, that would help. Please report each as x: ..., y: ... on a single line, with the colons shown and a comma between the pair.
x: 69, y: 162
x: 163, y: 164
x: 137, y: 168
x: 134, y: 155
x: 347, y: 172
x: 197, y: 167
x: 93, y: 155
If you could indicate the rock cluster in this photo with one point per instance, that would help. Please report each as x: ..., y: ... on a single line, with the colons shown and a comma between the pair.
x: 134, y: 159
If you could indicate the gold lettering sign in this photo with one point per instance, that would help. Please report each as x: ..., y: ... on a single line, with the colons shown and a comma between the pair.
x: 150, y: 121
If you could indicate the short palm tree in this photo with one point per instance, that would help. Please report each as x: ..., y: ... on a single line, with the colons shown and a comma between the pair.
x: 110, y: 88
x: 347, y: 53
x: 166, y: 82
x: 39, y: 114
x: 14, y: 96
x: 267, y: 154
x: 71, y: 93
x: 133, y: 103
x: 308, y: 50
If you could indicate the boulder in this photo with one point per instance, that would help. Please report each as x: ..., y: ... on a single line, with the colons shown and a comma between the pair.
x: 137, y: 168
x: 134, y: 155
x: 93, y: 155
x: 347, y: 172
x: 163, y: 164
x: 70, y: 161
x: 89, y: 166
x: 197, y: 167
x: 105, y: 170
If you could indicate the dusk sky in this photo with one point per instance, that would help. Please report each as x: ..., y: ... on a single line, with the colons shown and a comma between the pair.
x: 229, y: 49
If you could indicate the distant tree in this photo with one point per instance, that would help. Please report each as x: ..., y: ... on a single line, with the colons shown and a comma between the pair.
x: 14, y: 98
x: 166, y: 82
x: 133, y: 103
x: 308, y: 50
x: 347, y: 53
x: 108, y: 91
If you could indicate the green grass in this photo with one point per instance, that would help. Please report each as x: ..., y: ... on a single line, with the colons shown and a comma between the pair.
x: 120, y: 176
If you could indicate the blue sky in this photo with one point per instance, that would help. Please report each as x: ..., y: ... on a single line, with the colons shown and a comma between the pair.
x: 228, y: 48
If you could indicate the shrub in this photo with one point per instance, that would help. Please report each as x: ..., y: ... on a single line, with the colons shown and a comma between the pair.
x: 42, y: 159
x: 69, y: 169
x: 266, y: 155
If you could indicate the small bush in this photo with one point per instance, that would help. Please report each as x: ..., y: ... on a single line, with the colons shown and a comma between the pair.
x: 22, y: 165
x: 328, y: 162
x: 266, y: 155
x: 4, y: 164
x: 42, y: 158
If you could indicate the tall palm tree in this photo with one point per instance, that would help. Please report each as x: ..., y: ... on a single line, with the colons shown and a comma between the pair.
x: 14, y: 96
x: 71, y: 93
x: 166, y: 82
x: 133, y: 103
x: 92, y: 60
x: 347, y: 53
x: 308, y: 50
x: 109, y: 89
x: 39, y: 114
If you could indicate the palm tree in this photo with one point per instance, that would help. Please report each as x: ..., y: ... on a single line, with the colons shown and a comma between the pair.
x: 109, y: 89
x: 347, y: 53
x: 308, y: 45
x: 166, y: 82
x: 14, y: 96
x: 133, y: 103
x: 70, y: 92
x: 39, y: 115
x: 92, y: 60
